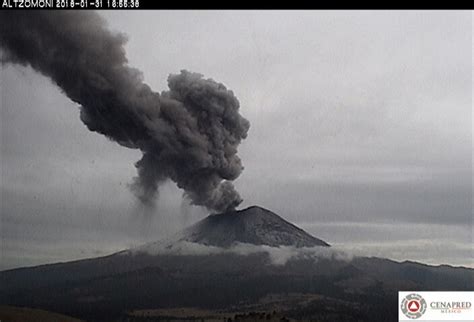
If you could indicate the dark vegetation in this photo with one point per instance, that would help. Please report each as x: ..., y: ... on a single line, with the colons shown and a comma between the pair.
x: 109, y: 288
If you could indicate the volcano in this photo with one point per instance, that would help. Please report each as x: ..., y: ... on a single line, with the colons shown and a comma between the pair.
x: 224, y: 282
x: 254, y: 225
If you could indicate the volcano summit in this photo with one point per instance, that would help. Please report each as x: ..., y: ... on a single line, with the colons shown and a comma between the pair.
x: 253, y: 225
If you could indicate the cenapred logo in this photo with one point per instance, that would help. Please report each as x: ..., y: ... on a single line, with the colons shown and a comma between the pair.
x: 436, y: 306
x: 413, y: 306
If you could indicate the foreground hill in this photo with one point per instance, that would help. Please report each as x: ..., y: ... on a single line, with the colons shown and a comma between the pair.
x: 19, y: 314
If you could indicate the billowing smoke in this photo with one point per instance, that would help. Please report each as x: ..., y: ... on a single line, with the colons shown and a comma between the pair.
x: 188, y: 134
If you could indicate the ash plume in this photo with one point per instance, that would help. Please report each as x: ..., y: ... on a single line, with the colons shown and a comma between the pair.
x: 189, y: 133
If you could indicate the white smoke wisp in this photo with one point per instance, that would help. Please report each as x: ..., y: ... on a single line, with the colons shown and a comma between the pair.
x: 278, y: 256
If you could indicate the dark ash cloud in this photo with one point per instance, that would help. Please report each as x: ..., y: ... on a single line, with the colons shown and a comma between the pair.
x: 188, y: 134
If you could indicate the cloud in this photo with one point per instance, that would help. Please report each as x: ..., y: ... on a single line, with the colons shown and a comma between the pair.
x: 277, y: 255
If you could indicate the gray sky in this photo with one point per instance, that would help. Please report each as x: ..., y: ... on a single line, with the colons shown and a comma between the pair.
x: 361, y: 133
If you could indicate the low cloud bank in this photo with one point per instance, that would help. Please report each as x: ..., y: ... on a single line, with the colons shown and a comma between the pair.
x: 277, y: 255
